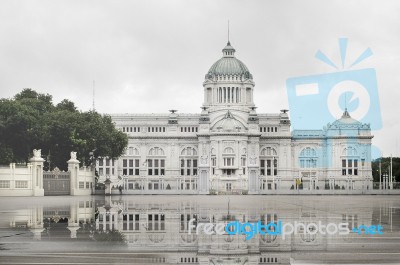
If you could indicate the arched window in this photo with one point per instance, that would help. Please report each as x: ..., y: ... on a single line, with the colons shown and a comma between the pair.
x: 268, y: 151
x: 350, y: 161
x: 349, y: 151
x: 132, y: 151
x: 228, y: 157
x: 156, y: 151
x: 156, y: 162
x: 308, y: 152
x: 188, y: 161
x: 308, y: 158
x: 189, y: 151
x: 268, y: 162
x: 229, y: 150
x: 131, y: 164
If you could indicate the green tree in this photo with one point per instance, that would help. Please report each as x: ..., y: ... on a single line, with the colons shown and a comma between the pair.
x: 385, y: 167
x: 30, y: 120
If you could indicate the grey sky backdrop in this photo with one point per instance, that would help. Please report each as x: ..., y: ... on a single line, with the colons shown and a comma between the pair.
x: 151, y: 56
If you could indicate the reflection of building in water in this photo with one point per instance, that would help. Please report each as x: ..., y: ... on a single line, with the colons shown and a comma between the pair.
x: 164, y: 226
x: 161, y: 226
x: 230, y: 148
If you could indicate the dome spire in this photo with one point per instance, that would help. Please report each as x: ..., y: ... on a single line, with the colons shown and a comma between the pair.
x: 346, y: 114
x: 228, y: 51
x: 228, y: 33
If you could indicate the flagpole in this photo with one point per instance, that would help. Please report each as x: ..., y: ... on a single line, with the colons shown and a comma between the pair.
x: 380, y: 173
x: 391, y: 172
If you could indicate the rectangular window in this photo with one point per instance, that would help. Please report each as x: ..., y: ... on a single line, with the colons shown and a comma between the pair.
x: 266, y: 167
x: 350, y: 168
x: 81, y: 184
x: 188, y: 167
x: 87, y: 185
x: 21, y: 184
x: 130, y: 167
x: 101, y: 162
x: 156, y: 167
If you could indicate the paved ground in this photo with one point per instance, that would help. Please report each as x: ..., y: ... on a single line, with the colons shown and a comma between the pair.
x: 53, y: 244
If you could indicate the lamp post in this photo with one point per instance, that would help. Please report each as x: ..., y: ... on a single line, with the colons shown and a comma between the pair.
x: 385, y: 178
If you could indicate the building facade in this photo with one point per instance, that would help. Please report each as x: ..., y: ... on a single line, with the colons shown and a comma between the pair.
x: 230, y: 148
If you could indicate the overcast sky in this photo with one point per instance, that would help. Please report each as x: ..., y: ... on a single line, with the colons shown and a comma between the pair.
x: 151, y: 56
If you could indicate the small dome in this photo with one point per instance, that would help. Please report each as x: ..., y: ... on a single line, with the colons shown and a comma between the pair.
x: 228, y: 124
x: 229, y: 65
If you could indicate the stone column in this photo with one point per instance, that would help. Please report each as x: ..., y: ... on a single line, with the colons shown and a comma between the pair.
x: 73, y: 224
x: 37, y: 173
x: 73, y: 168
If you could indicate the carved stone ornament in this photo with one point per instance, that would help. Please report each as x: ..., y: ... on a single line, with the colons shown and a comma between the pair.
x: 37, y: 153
x: 204, y: 160
x: 253, y: 160
x: 73, y: 155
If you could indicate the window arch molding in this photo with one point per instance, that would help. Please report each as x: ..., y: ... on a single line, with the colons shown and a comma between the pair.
x: 131, y: 161
x: 188, y: 151
x: 268, y: 161
x: 132, y: 151
x: 156, y: 151
x: 308, y: 152
x: 188, y: 161
x: 155, y: 161
x: 229, y: 151
x: 268, y: 151
x: 350, y: 151
x: 308, y: 157
x: 350, y: 161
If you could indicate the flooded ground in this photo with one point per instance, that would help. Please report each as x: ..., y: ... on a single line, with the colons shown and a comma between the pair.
x: 157, y: 230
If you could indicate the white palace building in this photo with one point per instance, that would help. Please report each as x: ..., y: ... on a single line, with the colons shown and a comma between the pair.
x: 230, y: 148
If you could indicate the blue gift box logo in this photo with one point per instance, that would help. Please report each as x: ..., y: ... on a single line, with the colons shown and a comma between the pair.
x: 316, y: 100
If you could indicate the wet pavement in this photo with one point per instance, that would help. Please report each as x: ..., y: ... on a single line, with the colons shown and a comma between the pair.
x: 156, y: 230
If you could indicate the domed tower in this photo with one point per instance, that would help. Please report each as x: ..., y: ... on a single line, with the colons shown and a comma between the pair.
x: 228, y: 83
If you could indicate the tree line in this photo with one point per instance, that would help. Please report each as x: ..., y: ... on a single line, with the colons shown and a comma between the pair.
x: 385, y: 168
x: 30, y: 120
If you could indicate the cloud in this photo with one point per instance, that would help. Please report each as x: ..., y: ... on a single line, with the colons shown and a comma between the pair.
x: 151, y: 56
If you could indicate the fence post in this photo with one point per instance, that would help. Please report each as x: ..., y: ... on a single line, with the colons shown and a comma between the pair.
x: 73, y: 168
x: 37, y: 173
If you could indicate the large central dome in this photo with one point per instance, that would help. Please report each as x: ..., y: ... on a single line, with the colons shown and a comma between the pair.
x: 229, y: 65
